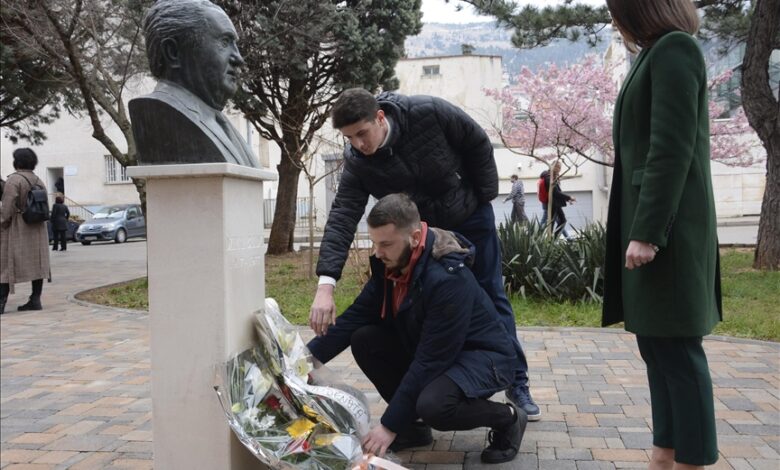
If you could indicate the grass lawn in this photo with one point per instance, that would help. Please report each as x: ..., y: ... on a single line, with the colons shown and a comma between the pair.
x: 751, y: 299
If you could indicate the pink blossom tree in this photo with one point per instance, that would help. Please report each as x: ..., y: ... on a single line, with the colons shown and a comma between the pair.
x: 564, y: 114
x: 559, y: 114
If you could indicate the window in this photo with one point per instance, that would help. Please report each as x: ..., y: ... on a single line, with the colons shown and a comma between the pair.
x: 115, y: 173
x: 430, y: 70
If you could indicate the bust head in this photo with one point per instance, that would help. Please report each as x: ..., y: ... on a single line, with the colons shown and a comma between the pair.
x: 193, y: 43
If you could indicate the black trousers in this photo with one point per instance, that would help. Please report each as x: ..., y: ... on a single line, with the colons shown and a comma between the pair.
x: 681, y: 398
x: 61, y: 237
x: 441, y: 404
x: 37, y: 289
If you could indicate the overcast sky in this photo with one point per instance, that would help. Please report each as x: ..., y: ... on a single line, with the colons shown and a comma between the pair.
x: 438, y: 11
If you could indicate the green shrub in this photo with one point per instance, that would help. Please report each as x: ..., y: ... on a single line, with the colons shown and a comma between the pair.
x: 537, y: 265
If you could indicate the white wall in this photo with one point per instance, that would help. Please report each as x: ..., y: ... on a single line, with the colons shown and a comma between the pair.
x: 462, y: 80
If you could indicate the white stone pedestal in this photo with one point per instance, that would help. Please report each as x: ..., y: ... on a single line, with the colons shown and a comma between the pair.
x: 205, y: 255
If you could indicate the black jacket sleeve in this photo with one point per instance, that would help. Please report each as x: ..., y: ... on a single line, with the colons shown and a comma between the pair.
x: 345, y: 213
x: 472, y: 143
x: 366, y: 310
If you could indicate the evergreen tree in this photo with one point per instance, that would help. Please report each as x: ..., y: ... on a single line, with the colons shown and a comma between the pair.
x: 300, y: 56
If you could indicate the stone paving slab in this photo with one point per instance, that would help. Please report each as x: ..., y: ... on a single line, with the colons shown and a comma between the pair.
x: 75, y: 389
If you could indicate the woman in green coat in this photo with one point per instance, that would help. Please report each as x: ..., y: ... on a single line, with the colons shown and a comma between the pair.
x: 662, y: 270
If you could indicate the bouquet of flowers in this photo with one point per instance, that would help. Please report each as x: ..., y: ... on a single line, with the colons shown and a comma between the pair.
x: 285, y: 418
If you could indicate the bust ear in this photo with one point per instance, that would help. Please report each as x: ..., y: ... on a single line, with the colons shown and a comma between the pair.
x: 170, y: 51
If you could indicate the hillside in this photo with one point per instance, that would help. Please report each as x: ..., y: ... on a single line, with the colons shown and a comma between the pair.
x: 446, y: 39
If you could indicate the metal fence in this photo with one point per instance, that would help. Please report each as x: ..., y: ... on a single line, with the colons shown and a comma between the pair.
x: 301, y: 213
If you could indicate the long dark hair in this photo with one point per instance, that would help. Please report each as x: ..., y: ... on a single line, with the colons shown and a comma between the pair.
x: 643, y: 22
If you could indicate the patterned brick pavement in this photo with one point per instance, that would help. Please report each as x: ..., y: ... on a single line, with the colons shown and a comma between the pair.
x: 76, y: 393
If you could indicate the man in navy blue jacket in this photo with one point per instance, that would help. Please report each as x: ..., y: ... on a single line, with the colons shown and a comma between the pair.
x: 428, y: 337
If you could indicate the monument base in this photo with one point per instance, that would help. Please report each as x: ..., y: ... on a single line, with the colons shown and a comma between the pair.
x: 205, y: 257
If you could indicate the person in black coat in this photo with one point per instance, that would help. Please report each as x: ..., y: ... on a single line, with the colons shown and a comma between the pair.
x: 59, y: 224
x: 560, y: 200
x: 428, y: 337
x: 433, y: 151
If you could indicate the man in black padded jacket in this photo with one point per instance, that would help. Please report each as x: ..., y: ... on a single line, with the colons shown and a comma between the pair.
x: 433, y: 151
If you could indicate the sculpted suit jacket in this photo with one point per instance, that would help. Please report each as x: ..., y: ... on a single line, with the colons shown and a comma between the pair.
x: 662, y: 194
x: 173, y: 126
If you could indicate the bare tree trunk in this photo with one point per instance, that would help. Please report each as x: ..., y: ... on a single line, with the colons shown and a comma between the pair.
x: 767, y: 254
x: 763, y: 113
x: 283, y: 227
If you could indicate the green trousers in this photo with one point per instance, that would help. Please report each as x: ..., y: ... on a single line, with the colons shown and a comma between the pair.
x: 681, y: 398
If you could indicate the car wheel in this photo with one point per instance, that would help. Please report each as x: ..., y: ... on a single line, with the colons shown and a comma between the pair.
x: 86, y: 243
x: 121, y: 236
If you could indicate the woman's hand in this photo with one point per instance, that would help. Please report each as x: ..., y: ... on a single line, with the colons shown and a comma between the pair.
x: 639, y: 253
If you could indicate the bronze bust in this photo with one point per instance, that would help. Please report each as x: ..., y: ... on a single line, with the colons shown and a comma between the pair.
x: 191, y: 46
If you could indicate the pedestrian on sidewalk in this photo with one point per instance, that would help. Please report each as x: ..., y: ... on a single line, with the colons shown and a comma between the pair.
x: 59, y: 224
x: 431, y: 150
x: 517, y: 196
x: 428, y: 337
x: 24, y: 248
x: 560, y: 200
x: 662, y: 273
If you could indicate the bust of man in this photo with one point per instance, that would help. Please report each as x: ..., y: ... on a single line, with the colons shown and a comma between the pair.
x: 191, y: 46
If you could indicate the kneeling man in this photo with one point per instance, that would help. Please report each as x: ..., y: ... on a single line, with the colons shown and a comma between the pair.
x: 428, y: 337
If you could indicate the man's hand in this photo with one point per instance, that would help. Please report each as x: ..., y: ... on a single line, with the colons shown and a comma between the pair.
x: 378, y: 440
x: 323, y: 310
x: 639, y: 253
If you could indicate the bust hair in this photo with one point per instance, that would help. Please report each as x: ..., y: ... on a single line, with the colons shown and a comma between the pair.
x: 642, y: 23
x: 25, y: 159
x: 180, y: 20
x: 397, y: 209
x: 352, y: 106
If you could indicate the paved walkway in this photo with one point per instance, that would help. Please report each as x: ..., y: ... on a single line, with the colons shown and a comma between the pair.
x: 76, y: 393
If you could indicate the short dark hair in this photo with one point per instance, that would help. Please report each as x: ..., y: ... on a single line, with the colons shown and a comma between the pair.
x: 181, y: 20
x: 353, y: 105
x: 513, y: 177
x: 25, y: 159
x: 59, y: 200
x: 397, y: 209
x: 645, y: 22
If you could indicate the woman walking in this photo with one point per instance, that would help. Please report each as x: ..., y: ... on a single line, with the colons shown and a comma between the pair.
x: 662, y: 274
x: 24, y: 248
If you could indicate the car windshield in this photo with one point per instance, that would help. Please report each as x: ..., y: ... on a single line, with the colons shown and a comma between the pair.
x: 109, y: 212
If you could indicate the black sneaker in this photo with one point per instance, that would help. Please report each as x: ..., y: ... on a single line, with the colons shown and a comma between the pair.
x: 419, y: 434
x: 504, y: 444
x: 521, y: 397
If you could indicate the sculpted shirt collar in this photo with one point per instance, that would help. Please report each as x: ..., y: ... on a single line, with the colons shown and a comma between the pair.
x: 212, y: 118
x: 188, y: 98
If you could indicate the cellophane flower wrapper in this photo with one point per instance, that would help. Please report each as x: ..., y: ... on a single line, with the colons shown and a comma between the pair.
x: 276, y: 410
x: 318, y: 392
x: 261, y: 413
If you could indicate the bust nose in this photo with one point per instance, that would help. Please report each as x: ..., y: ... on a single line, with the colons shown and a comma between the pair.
x: 236, y: 60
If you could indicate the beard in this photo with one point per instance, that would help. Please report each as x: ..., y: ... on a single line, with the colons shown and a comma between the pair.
x: 403, y: 260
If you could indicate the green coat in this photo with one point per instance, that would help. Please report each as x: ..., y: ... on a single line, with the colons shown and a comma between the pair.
x: 662, y: 194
